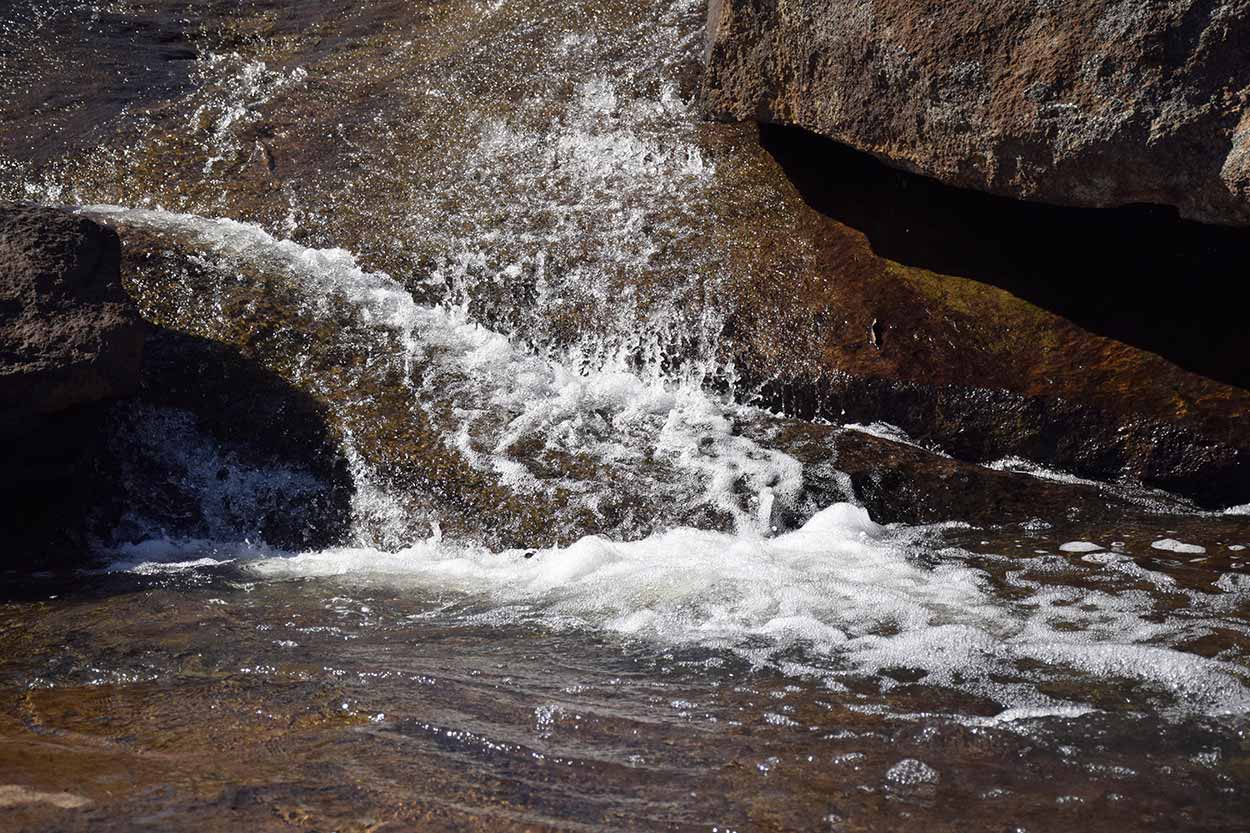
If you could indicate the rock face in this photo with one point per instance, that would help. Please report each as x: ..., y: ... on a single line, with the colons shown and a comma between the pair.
x: 1073, y: 102
x: 992, y: 328
x: 564, y: 188
x: 69, y: 334
x: 70, y: 340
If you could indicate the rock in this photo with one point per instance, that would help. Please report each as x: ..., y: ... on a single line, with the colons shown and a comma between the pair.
x: 69, y: 334
x: 900, y: 482
x: 283, y: 383
x: 1072, y: 102
x: 70, y: 341
x: 1002, y: 328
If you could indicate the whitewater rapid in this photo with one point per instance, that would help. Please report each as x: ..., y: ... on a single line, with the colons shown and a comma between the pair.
x: 838, y: 599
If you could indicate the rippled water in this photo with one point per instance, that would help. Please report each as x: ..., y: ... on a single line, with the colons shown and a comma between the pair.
x: 843, y: 677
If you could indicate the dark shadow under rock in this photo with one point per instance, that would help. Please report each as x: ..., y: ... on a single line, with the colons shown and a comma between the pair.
x: 1100, y: 343
x: 71, y: 340
x: 218, y: 447
x: 213, y: 446
x: 1137, y: 275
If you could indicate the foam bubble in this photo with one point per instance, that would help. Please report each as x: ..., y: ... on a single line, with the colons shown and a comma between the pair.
x: 1172, y: 545
x: 910, y: 772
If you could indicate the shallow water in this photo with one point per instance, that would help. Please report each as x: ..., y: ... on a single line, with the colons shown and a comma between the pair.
x: 842, y: 677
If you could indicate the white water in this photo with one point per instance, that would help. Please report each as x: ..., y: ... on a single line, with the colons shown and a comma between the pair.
x: 840, y: 597
x: 600, y: 406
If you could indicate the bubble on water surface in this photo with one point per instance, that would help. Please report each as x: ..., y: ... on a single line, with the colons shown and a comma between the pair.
x: 1172, y: 545
x: 910, y: 772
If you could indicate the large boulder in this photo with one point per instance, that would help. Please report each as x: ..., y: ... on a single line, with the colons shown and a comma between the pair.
x: 986, y: 327
x: 71, y: 340
x: 69, y: 333
x: 1073, y: 102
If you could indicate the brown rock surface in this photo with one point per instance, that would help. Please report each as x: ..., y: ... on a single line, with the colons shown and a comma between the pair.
x: 1003, y: 328
x: 1073, y: 102
x: 69, y: 334
x: 987, y: 327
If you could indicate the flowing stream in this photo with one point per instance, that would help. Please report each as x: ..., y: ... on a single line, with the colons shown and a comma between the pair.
x: 733, y: 649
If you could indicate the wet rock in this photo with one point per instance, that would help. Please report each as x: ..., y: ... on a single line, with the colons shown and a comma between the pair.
x: 901, y: 482
x: 1074, y: 102
x: 106, y: 447
x: 70, y: 341
x: 839, y: 289
x: 1001, y: 329
x: 288, y: 384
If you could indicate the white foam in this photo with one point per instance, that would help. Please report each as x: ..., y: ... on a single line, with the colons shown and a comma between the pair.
x: 886, y: 431
x: 164, y: 555
x: 1234, y: 583
x: 1020, y: 465
x: 846, y: 593
x: 1172, y: 545
x: 1018, y: 715
x: 910, y: 772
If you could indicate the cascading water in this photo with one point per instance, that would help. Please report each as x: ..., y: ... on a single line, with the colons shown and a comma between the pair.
x: 575, y: 579
x: 620, y: 411
x: 844, y: 593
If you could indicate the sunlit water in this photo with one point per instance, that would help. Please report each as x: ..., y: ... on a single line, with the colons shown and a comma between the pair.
x: 838, y: 675
x: 832, y: 674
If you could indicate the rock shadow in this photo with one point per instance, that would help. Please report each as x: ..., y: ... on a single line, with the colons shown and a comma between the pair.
x: 213, y: 445
x: 1136, y: 274
x: 269, y: 463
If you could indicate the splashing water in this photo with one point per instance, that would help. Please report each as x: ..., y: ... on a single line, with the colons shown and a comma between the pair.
x: 839, y: 598
x: 598, y: 406
x: 553, y: 281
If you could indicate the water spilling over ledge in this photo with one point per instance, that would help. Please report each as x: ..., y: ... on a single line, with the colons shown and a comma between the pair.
x: 450, y: 500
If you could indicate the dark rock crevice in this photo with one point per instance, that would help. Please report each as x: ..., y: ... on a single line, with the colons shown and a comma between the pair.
x: 1138, y: 274
x: 1094, y: 341
x: 70, y: 341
